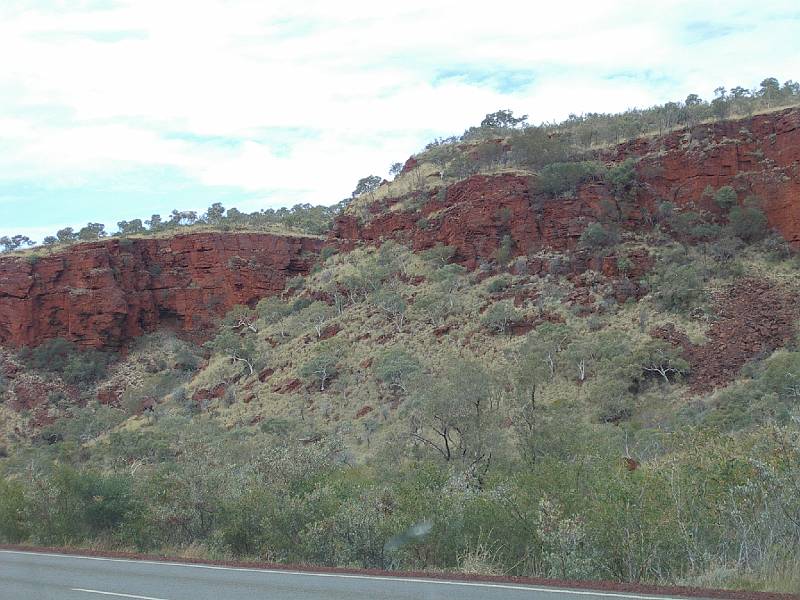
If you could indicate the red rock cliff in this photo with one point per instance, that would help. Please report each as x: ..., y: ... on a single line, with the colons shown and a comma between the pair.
x: 758, y: 156
x: 102, y: 294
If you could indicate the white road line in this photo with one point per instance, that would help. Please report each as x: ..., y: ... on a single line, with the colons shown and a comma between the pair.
x: 113, y: 594
x: 503, y: 586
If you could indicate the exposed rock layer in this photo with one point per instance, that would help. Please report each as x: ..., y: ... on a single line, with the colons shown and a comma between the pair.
x: 759, y: 157
x: 102, y: 294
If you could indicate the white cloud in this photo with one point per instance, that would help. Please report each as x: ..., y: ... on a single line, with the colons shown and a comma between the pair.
x: 103, y: 88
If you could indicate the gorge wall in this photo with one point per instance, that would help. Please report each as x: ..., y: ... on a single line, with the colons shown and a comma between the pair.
x: 759, y: 157
x: 102, y: 294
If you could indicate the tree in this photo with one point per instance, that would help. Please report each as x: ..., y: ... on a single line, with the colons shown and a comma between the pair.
x: 396, y: 367
x: 662, y: 359
x: 720, y: 106
x: 366, y: 185
x: 322, y: 366
x: 10, y: 244
x: 50, y: 240
x: 393, y: 304
x: 214, y: 214
x: 241, y: 318
x: 395, y: 169
x: 92, y: 231
x: 456, y: 415
x: 182, y: 217
x: 274, y: 311
x: 155, y: 223
x: 66, y: 235
x: 593, y: 354
x: 130, y: 227
x: 770, y: 91
x: 501, y: 316
x: 316, y: 315
x: 503, y: 119
x: 694, y: 109
x: 235, y: 345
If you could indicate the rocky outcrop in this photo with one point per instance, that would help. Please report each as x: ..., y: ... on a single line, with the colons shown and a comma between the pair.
x: 102, y: 294
x: 753, y: 318
x: 759, y: 157
x: 475, y: 215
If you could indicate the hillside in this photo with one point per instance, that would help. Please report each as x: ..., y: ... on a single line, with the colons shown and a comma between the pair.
x: 516, y: 358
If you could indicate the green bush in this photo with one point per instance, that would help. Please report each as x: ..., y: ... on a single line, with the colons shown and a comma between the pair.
x: 396, y: 367
x: 504, y: 251
x: 14, y: 523
x: 557, y: 178
x: 622, y: 178
x: 77, y: 366
x: 501, y: 316
x: 595, y: 236
x: 327, y: 252
x: 498, y: 284
x: 726, y: 197
x: 748, y: 223
x: 678, y: 288
x: 83, y: 505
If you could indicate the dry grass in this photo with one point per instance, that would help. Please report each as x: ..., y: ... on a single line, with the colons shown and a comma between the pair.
x: 273, y: 229
x: 780, y: 576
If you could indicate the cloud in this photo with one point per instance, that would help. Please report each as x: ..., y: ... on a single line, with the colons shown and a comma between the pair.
x: 282, y: 102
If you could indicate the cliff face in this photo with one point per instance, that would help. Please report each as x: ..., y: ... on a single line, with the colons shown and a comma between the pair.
x: 104, y: 293
x: 758, y: 156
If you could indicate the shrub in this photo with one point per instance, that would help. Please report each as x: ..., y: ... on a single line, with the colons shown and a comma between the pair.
x: 595, y: 236
x: 503, y: 254
x: 300, y: 304
x: 395, y: 367
x: 61, y: 356
x: 748, y: 223
x: 622, y: 178
x: 501, y: 316
x: 326, y: 253
x: 557, y: 178
x: 498, y: 284
x: 725, y: 197
x: 534, y: 147
x: 186, y: 360
x: 678, y: 288
x: 13, y: 525
x: 86, y: 367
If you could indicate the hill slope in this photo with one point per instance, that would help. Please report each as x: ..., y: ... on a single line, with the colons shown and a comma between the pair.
x: 500, y: 362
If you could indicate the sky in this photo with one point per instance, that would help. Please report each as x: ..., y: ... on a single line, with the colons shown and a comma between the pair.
x: 118, y: 109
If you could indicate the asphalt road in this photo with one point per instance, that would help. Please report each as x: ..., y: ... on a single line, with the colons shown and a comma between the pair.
x: 35, y: 576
